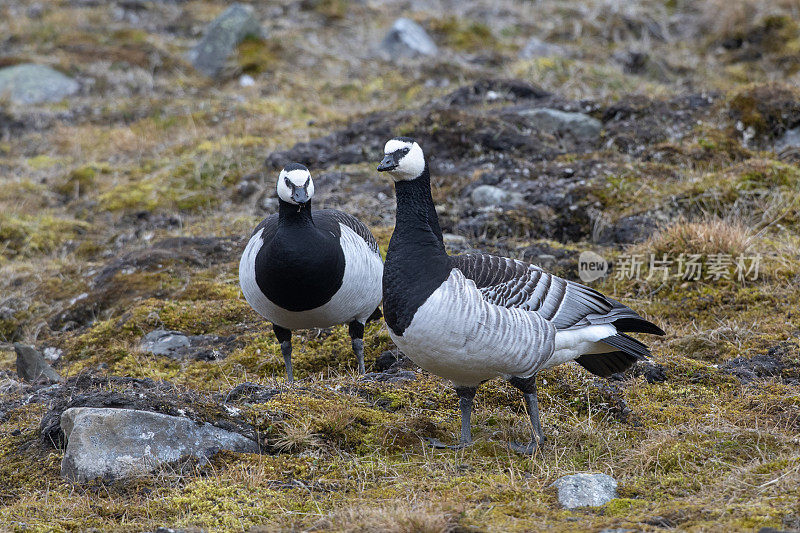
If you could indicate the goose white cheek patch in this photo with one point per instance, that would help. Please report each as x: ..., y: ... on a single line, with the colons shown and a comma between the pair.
x: 298, y: 178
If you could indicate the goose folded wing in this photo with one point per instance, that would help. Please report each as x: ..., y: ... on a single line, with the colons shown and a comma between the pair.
x: 269, y: 226
x: 566, y: 304
x: 354, y: 224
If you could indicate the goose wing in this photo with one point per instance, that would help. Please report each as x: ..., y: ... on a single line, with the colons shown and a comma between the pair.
x: 565, y: 304
x: 353, y: 223
x: 269, y: 225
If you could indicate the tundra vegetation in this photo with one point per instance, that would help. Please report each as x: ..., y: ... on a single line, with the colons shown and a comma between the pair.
x: 124, y: 208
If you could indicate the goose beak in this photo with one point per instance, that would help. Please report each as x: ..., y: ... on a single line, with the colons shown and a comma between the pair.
x: 300, y: 195
x: 388, y: 163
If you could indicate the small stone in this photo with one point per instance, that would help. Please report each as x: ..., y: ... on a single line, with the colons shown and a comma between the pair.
x: 585, y: 490
x: 579, y: 125
x: 222, y: 37
x: 408, y: 39
x: 489, y: 196
x: 385, y: 360
x: 53, y: 354
x: 118, y: 443
x: 31, y: 365
x: 246, y: 188
x: 163, y: 342
x: 35, y: 84
x: 246, y: 80
x: 452, y: 239
x: 537, y: 48
x: 790, y: 139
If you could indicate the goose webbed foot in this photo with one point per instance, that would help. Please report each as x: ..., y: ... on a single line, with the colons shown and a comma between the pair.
x: 439, y: 445
x: 465, y: 397
x: 524, y: 449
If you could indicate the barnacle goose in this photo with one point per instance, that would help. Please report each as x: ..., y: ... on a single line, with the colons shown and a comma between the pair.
x: 311, y: 269
x: 470, y: 318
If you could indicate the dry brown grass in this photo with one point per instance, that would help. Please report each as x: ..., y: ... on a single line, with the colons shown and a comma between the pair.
x: 400, y: 516
x: 705, y: 237
x: 725, y: 17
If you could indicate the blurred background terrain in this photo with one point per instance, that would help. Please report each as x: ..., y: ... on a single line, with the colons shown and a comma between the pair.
x: 140, y: 141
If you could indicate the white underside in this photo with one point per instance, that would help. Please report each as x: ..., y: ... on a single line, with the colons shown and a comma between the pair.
x: 459, y: 336
x: 573, y: 343
x: 357, y: 298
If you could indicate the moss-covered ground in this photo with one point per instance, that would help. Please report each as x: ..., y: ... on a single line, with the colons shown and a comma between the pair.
x: 91, y: 189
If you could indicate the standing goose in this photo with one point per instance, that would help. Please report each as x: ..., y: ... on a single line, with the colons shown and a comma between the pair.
x: 470, y: 318
x: 304, y: 269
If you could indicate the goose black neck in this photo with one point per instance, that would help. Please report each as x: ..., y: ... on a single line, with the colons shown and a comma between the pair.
x: 295, y: 214
x: 416, y: 261
x: 416, y: 212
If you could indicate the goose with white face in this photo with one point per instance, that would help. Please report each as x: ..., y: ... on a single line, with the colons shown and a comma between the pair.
x: 403, y: 159
x: 295, y: 185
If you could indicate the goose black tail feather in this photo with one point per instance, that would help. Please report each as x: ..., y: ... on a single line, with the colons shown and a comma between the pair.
x: 628, y: 344
x: 629, y: 350
x: 637, y: 325
x: 606, y: 364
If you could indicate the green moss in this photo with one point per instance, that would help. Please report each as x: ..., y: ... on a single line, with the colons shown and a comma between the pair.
x: 81, y: 180
x: 464, y: 34
x: 258, y: 55
x: 27, y: 235
x: 138, y: 196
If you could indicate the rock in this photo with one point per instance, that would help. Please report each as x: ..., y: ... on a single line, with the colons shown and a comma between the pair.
x: 747, y: 370
x: 251, y: 393
x: 222, y: 37
x: 628, y: 230
x: 246, y: 188
x: 176, y: 345
x: 536, y: 48
x: 118, y: 443
x: 408, y: 39
x: 489, y: 195
x: 579, y: 125
x: 585, y: 490
x: 34, y: 84
x: 385, y: 360
x: 163, y: 342
x: 52, y: 354
x: 31, y: 365
x: 790, y: 139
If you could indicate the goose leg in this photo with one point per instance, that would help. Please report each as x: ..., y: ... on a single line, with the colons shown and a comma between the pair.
x: 466, y: 395
x: 356, y: 330
x: 528, y: 388
x: 285, y: 338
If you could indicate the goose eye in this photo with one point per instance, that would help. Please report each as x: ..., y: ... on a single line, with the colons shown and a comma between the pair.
x: 287, y: 182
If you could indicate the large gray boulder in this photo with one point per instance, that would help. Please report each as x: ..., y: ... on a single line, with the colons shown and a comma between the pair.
x: 31, y: 365
x: 118, y: 443
x: 177, y: 345
x: 408, y: 39
x: 164, y: 342
x: 585, y: 490
x: 222, y: 37
x: 34, y: 84
x: 578, y: 125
